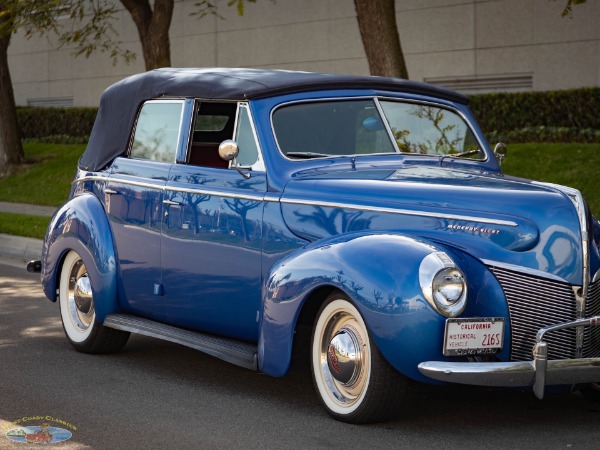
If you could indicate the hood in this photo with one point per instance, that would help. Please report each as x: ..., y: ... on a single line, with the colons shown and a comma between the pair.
x: 495, y: 218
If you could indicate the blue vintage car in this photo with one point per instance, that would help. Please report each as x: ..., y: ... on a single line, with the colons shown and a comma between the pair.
x: 362, y: 223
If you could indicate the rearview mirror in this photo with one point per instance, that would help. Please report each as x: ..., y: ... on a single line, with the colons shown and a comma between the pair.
x: 500, y: 151
x: 229, y: 150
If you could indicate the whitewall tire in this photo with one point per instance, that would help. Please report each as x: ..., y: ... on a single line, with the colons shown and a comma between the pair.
x: 77, y: 311
x: 352, y: 379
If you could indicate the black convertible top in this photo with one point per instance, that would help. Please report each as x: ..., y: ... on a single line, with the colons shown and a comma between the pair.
x: 120, y: 102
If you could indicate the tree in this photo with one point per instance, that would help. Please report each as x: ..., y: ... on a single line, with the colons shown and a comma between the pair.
x: 92, y: 30
x: 380, y: 38
x: 153, y: 29
x: 568, y: 9
x: 11, y: 150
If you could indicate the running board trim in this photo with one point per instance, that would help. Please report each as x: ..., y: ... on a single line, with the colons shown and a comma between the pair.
x: 230, y: 350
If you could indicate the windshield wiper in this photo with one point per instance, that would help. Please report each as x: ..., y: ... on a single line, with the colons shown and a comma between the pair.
x: 459, y: 155
x: 467, y: 153
x: 307, y: 155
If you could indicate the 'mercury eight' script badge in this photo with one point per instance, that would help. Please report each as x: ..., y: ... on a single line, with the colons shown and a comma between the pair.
x: 473, y: 229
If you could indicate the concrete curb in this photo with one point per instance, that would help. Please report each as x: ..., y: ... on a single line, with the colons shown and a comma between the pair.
x: 20, y: 247
x: 23, y: 208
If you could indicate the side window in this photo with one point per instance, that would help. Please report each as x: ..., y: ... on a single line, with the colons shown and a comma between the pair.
x: 156, y: 134
x: 245, y: 138
x: 213, y: 124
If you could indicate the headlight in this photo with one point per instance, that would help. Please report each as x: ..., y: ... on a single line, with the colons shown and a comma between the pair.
x: 443, y: 284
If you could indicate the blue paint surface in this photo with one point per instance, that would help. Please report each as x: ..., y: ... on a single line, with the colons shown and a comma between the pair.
x: 207, y: 249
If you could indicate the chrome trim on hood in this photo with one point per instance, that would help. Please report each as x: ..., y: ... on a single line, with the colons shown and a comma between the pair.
x: 406, y: 212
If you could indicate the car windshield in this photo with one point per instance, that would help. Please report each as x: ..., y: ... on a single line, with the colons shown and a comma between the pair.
x: 356, y: 127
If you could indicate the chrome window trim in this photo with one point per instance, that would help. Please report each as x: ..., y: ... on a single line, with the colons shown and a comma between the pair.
x: 405, y: 212
x: 180, y: 101
x: 164, y: 188
x: 192, y: 118
x: 386, y: 124
x: 376, y: 99
x: 259, y: 165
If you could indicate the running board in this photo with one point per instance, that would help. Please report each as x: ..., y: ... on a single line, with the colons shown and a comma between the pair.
x: 230, y: 350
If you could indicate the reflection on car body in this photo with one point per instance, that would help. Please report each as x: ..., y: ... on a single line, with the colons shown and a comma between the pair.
x: 262, y: 215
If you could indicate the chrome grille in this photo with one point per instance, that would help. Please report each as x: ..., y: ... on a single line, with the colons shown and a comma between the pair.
x: 591, y: 336
x: 535, y: 303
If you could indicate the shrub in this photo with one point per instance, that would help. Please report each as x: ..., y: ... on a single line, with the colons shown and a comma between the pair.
x: 552, y: 116
x: 36, y: 123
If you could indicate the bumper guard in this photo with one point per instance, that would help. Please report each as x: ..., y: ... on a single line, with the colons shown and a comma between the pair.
x: 537, y: 373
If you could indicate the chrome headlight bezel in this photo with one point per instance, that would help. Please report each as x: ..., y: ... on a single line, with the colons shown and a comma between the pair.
x: 437, y: 271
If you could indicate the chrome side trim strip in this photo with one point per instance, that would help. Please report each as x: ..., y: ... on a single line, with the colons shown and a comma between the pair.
x: 273, y: 197
x: 107, y: 179
x: 507, y: 223
x: 216, y: 193
x: 406, y: 212
x: 164, y: 188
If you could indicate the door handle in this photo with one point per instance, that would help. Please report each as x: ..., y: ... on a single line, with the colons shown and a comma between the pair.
x: 111, y: 192
x: 171, y: 203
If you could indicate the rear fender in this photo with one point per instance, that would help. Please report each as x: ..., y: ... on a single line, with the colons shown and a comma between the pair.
x: 378, y: 271
x: 81, y: 225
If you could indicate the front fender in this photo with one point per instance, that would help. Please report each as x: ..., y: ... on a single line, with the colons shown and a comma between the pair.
x: 81, y: 225
x: 378, y: 271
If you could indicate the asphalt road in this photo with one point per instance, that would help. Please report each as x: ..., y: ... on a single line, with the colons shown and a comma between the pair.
x: 156, y: 395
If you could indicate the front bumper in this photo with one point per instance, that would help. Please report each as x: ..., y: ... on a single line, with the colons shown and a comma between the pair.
x: 537, y: 373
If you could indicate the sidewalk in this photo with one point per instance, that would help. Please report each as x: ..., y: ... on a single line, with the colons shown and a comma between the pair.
x: 22, y: 247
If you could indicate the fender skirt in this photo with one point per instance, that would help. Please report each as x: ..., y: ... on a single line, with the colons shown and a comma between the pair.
x: 81, y: 225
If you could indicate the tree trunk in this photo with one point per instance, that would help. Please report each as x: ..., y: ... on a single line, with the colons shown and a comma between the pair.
x: 11, y: 150
x: 153, y: 29
x: 379, y: 33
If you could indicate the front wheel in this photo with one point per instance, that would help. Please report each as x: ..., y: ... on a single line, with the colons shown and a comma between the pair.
x: 76, y: 300
x: 353, y: 380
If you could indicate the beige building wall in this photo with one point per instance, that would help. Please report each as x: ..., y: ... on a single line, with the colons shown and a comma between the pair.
x: 469, y: 45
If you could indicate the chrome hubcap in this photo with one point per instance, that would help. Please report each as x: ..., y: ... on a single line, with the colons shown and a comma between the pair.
x: 80, y: 297
x: 343, y: 356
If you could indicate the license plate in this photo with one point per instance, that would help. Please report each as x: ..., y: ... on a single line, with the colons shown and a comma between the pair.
x: 474, y: 336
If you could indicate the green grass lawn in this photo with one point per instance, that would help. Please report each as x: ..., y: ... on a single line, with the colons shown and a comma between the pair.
x: 23, y: 225
x: 47, y: 181
x: 575, y: 165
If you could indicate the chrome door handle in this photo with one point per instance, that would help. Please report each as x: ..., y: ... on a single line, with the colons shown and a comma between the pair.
x: 111, y: 192
x: 171, y: 203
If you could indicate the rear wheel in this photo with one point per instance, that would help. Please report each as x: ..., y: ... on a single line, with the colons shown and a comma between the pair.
x: 76, y: 300
x: 353, y: 380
